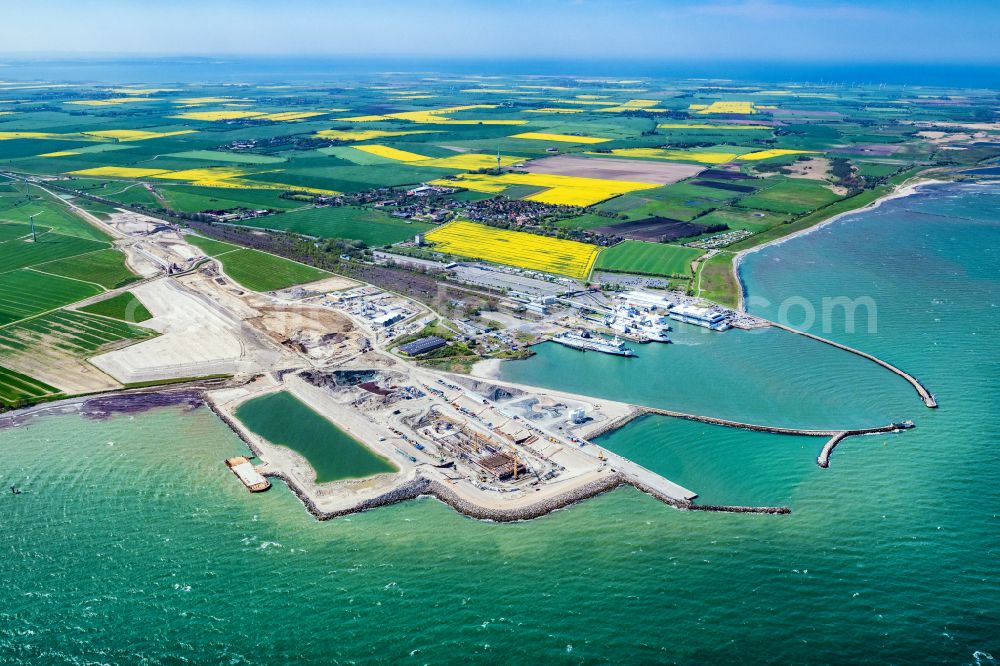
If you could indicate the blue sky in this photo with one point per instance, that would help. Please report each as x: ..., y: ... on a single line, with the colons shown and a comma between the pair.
x: 849, y: 30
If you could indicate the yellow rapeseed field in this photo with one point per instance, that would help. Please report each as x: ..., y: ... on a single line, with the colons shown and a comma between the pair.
x: 7, y: 136
x: 583, y: 102
x: 504, y: 91
x: 552, y: 109
x: 364, y: 135
x: 438, y: 116
x: 229, y: 177
x: 134, y: 135
x: 392, y: 153
x: 703, y: 157
x: 286, y: 116
x: 712, y: 127
x: 470, y: 161
x: 141, y: 91
x: 515, y: 248
x: 196, y: 101
x: 724, y: 107
x: 283, y: 116
x: 633, y: 105
x: 559, y: 190
x: 212, y: 116
x: 474, y: 183
x: 60, y: 153
x: 776, y: 152
x: 208, y: 177
x: 566, y: 138
x: 463, y: 161
x: 119, y: 172
x: 111, y: 102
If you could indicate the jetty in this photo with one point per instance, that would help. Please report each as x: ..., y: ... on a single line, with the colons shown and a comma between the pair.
x: 925, y: 395
x: 823, y: 460
x: 891, y: 427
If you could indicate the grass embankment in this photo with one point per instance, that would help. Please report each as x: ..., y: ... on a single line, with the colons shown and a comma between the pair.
x: 717, y: 282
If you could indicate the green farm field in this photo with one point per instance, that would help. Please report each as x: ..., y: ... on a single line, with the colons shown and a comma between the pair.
x: 261, y: 271
x: 124, y: 306
x: 791, y: 195
x: 103, y: 267
x: 16, y: 388
x: 372, y: 227
x: 24, y: 293
x: 645, y: 258
x: 256, y: 270
x: 210, y: 246
x: 78, y: 333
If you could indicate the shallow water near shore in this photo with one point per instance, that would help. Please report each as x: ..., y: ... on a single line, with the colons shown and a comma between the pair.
x: 133, y: 542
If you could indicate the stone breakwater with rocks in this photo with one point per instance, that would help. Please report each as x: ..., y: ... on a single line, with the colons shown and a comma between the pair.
x: 424, y: 487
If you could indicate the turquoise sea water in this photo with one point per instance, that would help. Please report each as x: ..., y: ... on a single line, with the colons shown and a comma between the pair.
x: 133, y: 543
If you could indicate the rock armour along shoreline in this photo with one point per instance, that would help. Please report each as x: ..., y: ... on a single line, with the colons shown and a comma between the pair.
x: 423, y: 487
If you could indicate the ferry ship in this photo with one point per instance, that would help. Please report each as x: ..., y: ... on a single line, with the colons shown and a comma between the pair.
x: 645, y: 327
x: 709, y: 318
x: 585, y: 342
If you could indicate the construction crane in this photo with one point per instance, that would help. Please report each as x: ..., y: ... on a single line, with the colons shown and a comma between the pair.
x: 479, y: 442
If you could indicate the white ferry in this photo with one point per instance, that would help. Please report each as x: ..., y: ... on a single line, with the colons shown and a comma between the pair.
x: 646, y: 327
x: 709, y: 318
x: 585, y: 342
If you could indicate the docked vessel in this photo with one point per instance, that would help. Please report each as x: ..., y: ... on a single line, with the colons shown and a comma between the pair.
x: 642, y: 326
x: 585, y: 342
x: 248, y: 474
x: 710, y: 318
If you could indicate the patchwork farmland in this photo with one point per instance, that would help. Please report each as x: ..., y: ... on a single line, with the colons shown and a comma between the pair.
x: 294, y: 184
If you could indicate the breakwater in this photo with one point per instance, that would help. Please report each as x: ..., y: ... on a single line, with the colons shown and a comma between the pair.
x: 925, y: 395
x: 892, y: 427
x: 424, y: 487
x: 824, y: 456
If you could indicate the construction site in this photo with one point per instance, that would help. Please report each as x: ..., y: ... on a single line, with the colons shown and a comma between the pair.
x: 489, y: 448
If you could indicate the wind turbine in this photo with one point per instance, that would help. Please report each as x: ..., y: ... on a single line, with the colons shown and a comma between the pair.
x: 31, y: 221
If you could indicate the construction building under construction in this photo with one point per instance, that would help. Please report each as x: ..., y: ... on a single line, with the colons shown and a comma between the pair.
x: 489, y: 455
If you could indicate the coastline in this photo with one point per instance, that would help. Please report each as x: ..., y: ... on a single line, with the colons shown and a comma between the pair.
x: 904, y: 190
